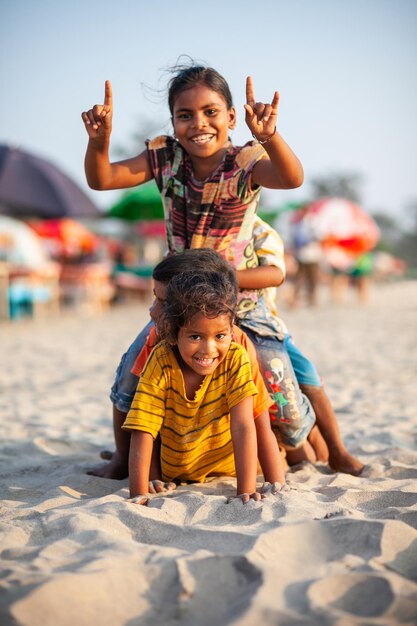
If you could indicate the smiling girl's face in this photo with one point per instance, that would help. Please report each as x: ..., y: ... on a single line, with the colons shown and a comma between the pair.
x: 202, y: 121
x: 204, y: 342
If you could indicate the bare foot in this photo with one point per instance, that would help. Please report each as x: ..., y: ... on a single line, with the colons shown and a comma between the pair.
x: 346, y: 463
x: 115, y: 469
x: 319, y: 445
x: 305, y: 452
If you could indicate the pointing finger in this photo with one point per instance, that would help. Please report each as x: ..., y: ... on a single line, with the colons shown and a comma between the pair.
x: 108, y: 97
x: 274, y: 103
x: 250, y: 95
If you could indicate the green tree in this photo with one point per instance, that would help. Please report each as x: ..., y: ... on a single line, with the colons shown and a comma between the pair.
x: 338, y: 184
x: 406, y: 247
x: 391, y: 232
x: 399, y: 240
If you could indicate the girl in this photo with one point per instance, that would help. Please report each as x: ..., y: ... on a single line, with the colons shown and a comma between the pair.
x: 196, y: 391
x: 210, y: 188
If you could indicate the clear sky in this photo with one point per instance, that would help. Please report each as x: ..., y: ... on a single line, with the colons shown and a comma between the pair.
x: 346, y: 71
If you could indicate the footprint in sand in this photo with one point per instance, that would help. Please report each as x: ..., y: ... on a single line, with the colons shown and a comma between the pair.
x: 232, y: 580
x: 59, y: 447
x: 363, y: 595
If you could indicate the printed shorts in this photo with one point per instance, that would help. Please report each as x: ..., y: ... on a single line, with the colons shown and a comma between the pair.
x: 305, y: 371
x: 292, y: 414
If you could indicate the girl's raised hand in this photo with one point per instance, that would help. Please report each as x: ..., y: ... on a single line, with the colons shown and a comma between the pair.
x: 261, y: 118
x: 98, y: 120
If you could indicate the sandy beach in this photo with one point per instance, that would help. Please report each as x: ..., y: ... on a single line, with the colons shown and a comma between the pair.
x: 334, y: 550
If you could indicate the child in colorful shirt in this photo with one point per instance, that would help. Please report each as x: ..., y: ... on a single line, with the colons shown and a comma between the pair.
x: 324, y: 439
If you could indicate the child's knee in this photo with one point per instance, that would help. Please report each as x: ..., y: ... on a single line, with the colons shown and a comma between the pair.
x: 312, y: 390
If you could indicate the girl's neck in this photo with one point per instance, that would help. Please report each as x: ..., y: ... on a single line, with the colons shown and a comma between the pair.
x: 203, y: 168
x: 192, y: 380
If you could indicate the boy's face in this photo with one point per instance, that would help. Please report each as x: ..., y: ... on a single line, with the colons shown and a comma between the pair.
x: 204, y: 343
x: 157, y: 306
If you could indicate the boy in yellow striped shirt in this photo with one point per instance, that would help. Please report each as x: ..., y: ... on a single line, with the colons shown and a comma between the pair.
x: 196, y: 391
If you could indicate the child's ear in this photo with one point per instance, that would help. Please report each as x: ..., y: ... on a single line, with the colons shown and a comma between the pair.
x: 232, y: 118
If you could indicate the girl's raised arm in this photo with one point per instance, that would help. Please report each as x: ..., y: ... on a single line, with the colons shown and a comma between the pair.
x: 100, y: 173
x: 283, y: 169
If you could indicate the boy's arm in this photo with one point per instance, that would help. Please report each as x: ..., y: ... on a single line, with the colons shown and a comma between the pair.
x: 100, y: 173
x: 269, y: 249
x: 260, y: 277
x: 283, y: 169
x: 242, y: 427
x: 141, y: 444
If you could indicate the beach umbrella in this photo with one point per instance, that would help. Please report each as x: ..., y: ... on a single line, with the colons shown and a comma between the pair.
x: 20, y: 245
x: 141, y: 203
x: 341, y: 223
x: 66, y: 237
x: 33, y: 187
x: 271, y: 213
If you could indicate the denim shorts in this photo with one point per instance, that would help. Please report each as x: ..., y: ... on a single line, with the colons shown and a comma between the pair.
x: 125, y: 383
x: 305, y: 371
x: 292, y: 415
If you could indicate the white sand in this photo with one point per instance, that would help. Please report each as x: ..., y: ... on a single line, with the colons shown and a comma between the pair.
x: 335, y: 550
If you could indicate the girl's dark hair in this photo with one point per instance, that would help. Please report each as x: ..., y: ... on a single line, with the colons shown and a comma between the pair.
x: 196, y: 259
x: 189, y: 293
x: 188, y: 76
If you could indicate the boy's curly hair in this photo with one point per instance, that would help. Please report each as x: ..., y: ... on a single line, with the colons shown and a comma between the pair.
x: 209, y: 293
x: 196, y: 259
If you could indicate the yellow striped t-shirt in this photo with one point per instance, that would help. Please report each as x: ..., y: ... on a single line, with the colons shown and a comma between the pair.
x: 195, y: 433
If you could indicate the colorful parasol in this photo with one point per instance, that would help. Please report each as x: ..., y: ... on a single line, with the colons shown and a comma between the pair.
x: 66, y: 238
x: 19, y: 245
x: 341, y: 223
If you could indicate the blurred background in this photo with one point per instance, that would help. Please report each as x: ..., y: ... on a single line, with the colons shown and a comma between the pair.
x: 346, y: 75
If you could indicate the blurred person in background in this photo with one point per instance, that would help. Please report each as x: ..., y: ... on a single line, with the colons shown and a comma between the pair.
x: 308, y: 254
